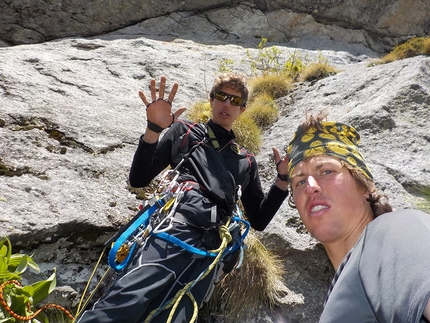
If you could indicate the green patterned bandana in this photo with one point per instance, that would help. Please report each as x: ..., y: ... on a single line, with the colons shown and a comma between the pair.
x: 335, y: 139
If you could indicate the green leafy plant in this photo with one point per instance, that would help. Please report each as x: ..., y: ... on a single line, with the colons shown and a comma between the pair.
x: 18, y: 303
x: 224, y: 65
x: 266, y: 61
x: 294, y: 65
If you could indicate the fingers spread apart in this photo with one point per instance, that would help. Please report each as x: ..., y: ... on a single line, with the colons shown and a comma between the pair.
x: 161, y: 91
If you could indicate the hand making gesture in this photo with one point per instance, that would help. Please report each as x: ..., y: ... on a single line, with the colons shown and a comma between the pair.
x: 159, y: 113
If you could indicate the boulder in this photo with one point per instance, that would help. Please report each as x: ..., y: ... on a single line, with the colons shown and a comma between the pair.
x: 378, y: 26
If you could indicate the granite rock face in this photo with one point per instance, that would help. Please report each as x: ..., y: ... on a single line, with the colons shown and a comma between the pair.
x: 377, y: 25
x: 70, y: 119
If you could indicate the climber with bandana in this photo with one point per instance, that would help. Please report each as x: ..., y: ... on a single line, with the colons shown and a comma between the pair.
x: 381, y: 257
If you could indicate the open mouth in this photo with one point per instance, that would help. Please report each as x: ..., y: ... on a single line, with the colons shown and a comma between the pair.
x: 317, y: 208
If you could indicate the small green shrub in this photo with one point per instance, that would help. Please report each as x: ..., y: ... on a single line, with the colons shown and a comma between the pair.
x: 267, y: 60
x: 275, y: 85
x: 294, y: 65
x: 224, y: 65
x: 263, y: 110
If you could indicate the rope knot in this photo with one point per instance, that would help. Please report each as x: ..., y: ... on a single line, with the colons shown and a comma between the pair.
x: 224, y: 233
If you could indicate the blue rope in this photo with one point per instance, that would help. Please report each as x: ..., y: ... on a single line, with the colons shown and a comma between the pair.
x: 237, y: 243
x: 168, y: 237
x: 142, y: 220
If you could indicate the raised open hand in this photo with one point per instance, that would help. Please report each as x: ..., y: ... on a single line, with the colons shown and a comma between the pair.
x: 159, y: 111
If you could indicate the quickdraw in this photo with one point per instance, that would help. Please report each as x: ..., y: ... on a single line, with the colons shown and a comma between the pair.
x: 32, y: 316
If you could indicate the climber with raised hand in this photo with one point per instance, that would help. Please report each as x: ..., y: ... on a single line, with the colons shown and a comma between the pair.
x: 214, y: 170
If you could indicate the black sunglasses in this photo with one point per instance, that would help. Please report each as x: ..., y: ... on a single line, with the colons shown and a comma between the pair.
x: 234, y: 99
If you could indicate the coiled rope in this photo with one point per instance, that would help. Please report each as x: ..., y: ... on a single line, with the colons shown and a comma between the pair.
x: 32, y: 316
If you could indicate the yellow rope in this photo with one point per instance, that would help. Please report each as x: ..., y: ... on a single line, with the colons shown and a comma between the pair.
x: 78, y: 311
x: 174, y: 303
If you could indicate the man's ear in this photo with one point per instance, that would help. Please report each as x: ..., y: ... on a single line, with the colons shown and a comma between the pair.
x: 242, y: 109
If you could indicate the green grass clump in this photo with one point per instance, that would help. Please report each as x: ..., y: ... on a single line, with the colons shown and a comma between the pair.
x: 413, y: 47
x: 199, y: 112
x: 248, y: 134
x: 275, y: 85
x: 317, y: 71
x: 241, y: 292
x: 263, y: 110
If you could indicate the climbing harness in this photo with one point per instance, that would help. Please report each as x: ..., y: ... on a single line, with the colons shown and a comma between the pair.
x: 156, y: 218
x: 29, y: 310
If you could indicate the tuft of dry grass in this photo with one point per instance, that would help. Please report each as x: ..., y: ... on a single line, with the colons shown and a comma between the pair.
x: 199, y: 112
x: 275, y: 85
x: 248, y: 134
x: 413, y: 47
x: 317, y: 71
x: 426, y: 46
x: 263, y: 110
x: 245, y: 289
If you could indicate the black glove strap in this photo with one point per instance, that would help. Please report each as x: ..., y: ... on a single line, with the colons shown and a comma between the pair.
x: 283, y: 177
x: 156, y: 128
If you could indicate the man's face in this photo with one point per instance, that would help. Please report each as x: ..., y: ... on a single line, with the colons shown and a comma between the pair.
x: 330, y: 202
x: 223, y: 112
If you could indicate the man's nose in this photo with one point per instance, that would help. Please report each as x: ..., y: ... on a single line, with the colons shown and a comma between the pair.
x: 312, y: 185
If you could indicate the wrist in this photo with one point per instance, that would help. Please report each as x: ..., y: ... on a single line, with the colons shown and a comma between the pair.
x: 150, y: 137
x: 282, y: 185
x: 283, y: 177
x: 154, y: 127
